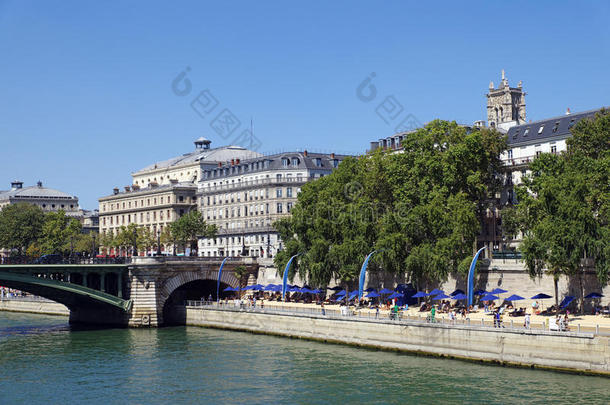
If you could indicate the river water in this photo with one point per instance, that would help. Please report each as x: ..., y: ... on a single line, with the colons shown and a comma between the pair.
x: 43, y: 360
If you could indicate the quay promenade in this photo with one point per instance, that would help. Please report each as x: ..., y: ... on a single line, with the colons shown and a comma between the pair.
x: 594, y: 324
x: 586, y: 352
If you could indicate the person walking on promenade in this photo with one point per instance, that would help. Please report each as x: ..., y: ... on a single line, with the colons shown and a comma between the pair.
x: 377, y: 312
x: 323, y: 309
x: 526, y: 321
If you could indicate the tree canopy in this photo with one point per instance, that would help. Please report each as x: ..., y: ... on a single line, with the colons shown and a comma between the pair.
x: 419, y: 208
x: 564, y: 205
x: 20, y: 226
x: 189, y: 227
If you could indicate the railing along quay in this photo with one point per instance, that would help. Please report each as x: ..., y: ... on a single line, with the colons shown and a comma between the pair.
x: 366, y: 315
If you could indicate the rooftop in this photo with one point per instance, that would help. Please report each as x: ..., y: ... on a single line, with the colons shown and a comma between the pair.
x: 556, y: 127
x: 18, y: 191
x: 204, y: 155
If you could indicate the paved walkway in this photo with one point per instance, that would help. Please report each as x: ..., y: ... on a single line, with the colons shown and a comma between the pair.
x: 588, y: 323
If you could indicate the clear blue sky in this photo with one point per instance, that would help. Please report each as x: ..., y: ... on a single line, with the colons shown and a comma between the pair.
x: 86, y: 96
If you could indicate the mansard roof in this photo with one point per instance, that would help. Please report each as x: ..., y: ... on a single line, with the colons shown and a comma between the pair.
x: 547, y: 129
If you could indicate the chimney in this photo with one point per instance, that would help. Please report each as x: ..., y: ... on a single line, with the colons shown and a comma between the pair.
x: 219, y: 164
x: 305, y: 153
x: 332, y: 155
x: 135, y: 187
x: 115, y: 190
x: 232, y: 162
x: 236, y: 161
x: 127, y: 189
x: 16, y: 184
x: 568, y: 111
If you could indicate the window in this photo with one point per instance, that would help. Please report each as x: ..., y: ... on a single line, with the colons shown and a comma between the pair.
x: 318, y: 162
x: 556, y: 127
x: 295, y: 162
x: 538, y: 153
x: 516, y: 134
x: 285, y: 162
x: 571, y: 124
x: 540, y: 129
x: 553, y: 149
x: 289, y: 207
x: 288, y: 192
x: 279, y: 208
x: 278, y: 177
x: 181, y: 198
x: 510, y: 153
x: 278, y: 192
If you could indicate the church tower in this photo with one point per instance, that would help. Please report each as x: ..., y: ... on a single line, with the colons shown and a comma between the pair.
x: 505, y: 105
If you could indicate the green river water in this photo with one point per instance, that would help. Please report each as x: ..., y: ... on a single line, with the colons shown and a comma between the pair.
x: 43, y: 360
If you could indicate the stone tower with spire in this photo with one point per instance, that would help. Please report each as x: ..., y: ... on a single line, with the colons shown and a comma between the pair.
x: 505, y: 105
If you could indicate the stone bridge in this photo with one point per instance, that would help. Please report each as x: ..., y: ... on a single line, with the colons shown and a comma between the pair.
x: 139, y: 294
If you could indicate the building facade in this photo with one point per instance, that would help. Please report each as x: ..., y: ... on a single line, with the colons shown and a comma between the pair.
x: 164, y: 191
x: 244, y: 198
x: 48, y: 199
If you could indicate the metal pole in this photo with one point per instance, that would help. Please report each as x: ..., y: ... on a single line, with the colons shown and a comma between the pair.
x: 159, y: 242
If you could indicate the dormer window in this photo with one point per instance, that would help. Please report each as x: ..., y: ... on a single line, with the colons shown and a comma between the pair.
x: 527, y: 130
x: 285, y: 162
x: 556, y: 127
x: 571, y: 124
x: 318, y: 162
x: 295, y: 162
x: 540, y: 129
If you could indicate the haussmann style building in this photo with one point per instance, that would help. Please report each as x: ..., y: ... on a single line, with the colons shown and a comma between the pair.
x: 243, y: 198
x: 164, y: 191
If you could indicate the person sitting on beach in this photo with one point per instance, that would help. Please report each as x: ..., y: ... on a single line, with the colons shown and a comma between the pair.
x: 535, y: 306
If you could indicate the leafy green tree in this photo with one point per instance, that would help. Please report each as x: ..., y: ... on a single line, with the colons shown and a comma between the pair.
x: 20, y: 226
x: 242, y: 273
x: 59, y: 232
x: 85, y: 243
x: 564, y: 207
x: 421, y: 208
x: 189, y: 227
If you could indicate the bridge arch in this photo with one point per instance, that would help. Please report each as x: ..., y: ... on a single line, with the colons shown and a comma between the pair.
x: 191, y: 285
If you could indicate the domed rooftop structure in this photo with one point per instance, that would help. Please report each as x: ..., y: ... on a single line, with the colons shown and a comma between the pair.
x: 38, y: 191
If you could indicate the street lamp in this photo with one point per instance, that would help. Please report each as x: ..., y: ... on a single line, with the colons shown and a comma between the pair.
x: 135, y: 242
x: 159, y: 242
x: 93, y: 253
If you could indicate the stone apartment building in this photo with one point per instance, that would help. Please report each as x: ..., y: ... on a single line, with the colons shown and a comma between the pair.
x: 245, y: 197
x: 164, y: 191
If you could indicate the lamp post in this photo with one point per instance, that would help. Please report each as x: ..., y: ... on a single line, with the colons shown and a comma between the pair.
x: 135, y: 242
x: 159, y: 242
x: 93, y: 253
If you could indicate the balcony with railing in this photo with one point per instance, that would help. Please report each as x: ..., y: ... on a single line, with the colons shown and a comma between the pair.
x: 284, y: 181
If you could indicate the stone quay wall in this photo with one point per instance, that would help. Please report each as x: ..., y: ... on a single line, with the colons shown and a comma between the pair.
x: 34, y: 307
x: 562, y: 351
